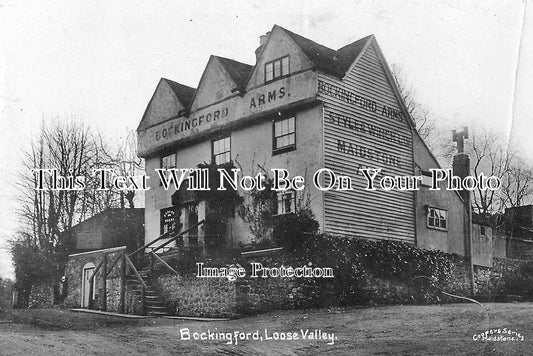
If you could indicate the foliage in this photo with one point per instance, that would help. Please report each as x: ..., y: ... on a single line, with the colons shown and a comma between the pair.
x: 221, y: 205
x: 290, y: 230
x: 359, y: 263
x: 521, y: 282
x: 270, y: 229
x: 41, y: 246
x: 421, y: 115
x: 6, y: 286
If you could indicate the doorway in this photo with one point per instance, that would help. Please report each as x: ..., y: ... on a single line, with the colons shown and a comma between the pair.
x: 88, y: 271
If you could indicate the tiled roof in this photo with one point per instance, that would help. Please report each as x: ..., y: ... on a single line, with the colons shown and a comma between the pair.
x: 326, y: 59
x: 183, y: 92
x: 238, y: 71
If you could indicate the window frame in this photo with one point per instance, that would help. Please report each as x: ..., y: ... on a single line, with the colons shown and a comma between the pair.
x: 162, y: 158
x: 290, y: 147
x: 277, y: 202
x: 437, y: 218
x: 213, y: 155
x: 426, y: 175
x: 273, y: 64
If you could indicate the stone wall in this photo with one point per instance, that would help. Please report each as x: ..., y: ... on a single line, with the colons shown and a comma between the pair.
x: 219, y: 297
x: 506, y: 277
x: 191, y: 296
x: 133, y: 297
x: 74, y: 274
x: 41, y: 295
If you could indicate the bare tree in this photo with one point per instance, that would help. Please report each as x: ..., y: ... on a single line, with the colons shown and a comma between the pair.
x: 127, y: 163
x: 491, y: 156
x: 517, y: 184
x: 52, y: 201
x: 425, y: 124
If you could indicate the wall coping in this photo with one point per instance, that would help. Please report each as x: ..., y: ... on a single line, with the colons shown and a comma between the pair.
x: 265, y: 251
x: 112, y: 249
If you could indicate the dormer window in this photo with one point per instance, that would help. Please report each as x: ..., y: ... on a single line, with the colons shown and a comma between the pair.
x: 277, y: 68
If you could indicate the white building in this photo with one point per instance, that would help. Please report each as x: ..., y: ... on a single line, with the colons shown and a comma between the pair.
x: 302, y: 107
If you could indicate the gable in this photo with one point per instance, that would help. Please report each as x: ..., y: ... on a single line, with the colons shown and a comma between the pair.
x: 364, y: 128
x: 423, y: 157
x: 370, y: 75
x: 215, y: 85
x: 279, y: 44
x: 164, y: 105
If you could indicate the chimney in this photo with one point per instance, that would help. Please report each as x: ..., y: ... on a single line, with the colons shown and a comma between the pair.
x: 461, y: 168
x: 262, y: 41
x: 461, y: 161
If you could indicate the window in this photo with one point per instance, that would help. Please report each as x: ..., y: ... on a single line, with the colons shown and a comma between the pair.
x: 437, y: 218
x: 285, y: 202
x: 222, y: 150
x: 277, y: 68
x: 426, y: 178
x: 169, y: 161
x: 482, y: 230
x: 284, y: 135
x: 168, y: 218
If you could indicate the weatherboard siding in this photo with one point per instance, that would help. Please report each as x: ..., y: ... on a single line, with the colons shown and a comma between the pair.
x: 370, y: 140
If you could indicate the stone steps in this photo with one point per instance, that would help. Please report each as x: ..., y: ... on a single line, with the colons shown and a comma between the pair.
x: 153, y: 304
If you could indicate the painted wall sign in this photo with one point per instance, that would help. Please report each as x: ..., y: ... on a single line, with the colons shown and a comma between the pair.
x: 375, y: 155
x: 271, y: 97
x: 363, y: 127
x: 359, y: 101
x: 186, y: 124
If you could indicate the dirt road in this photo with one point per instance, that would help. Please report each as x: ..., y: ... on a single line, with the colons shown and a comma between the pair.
x: 391, y: 330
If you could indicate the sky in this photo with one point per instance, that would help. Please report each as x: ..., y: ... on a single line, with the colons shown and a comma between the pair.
x: 469, y: 62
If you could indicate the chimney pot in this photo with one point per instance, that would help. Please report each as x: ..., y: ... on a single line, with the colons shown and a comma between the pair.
x: 262, y: 41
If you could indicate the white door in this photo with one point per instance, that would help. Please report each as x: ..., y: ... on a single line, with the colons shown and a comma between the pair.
x: 88, y: 271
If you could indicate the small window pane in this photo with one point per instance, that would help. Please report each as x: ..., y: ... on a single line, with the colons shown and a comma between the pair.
x: 291, y: 124
x: 277, y: 128
x: 269, y: 75
x: 277, y: 69
x: 285, y: 66
x: 291, y: 139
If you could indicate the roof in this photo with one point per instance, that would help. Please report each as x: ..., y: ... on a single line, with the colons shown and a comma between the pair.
x: 116, y: 215
x: 183, y: 92
x: 335, y: 62
x: 327, y: 60
x: 238, y: 71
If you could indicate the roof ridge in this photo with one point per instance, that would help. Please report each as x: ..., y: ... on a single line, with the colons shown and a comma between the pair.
x: 307, y: 39
x: 184, y: 92
x: 328, y: 60
x: 362, y: 39
x: 178, y: 83
x: 238, y: 71
x: 232, y: 60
